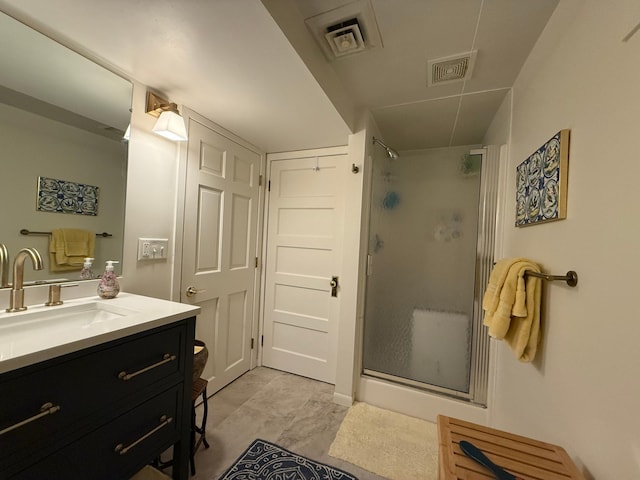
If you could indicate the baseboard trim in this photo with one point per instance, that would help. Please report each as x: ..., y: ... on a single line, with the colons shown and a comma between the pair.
x: 341, y: 399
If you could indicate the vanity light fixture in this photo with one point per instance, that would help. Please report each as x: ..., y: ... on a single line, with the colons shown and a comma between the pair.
x: 127, y: 134
x: 170, y: 124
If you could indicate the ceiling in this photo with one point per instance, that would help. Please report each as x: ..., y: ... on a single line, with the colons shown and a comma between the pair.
x: 254, y: 67
x: 391, y: 80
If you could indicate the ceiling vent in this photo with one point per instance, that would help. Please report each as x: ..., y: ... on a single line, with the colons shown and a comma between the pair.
x: 346, y: 30
x: 345, y: 38
x: 455, y: 68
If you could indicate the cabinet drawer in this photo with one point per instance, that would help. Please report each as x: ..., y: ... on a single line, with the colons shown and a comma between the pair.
x: 86, y: 386
x: 116, y: 448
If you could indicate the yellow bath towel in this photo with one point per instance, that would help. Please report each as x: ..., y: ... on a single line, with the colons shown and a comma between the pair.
x: 512, y: 306
x: 69, y: 247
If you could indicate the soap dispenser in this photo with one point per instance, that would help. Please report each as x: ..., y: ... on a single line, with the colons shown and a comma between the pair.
x: 87, y: 273
x: 108, y: 286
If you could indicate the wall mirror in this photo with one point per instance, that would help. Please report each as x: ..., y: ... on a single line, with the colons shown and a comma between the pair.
x: 64, y: 161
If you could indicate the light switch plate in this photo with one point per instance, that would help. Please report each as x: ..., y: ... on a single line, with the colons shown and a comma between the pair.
x: 153, y: 248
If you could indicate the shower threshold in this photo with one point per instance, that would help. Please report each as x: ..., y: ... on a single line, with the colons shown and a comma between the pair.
x: 427, y: 387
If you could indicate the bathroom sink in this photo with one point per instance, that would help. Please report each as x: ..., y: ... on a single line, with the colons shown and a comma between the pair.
x: 85, y: 315
x: 42, y: 333
x: 37, y: 328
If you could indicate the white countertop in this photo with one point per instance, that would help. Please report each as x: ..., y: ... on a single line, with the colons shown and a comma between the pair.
x: 25, y: 340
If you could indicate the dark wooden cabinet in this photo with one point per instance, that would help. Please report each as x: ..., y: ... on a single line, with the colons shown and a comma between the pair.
x: 108, y: 409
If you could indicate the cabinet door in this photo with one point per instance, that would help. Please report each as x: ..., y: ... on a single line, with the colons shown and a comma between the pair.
x: 82, y: 388
x: 118, y: 449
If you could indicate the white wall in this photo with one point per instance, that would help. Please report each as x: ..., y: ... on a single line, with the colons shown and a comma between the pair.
x: 500, y: 127
x: 152, y: 186
x: 582, y: 391
x: 346, y: 357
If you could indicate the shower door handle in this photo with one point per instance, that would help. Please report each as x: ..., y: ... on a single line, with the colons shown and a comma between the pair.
x: 334, y: 286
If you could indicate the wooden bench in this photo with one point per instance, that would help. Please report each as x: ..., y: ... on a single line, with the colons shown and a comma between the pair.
x: 521, y: 456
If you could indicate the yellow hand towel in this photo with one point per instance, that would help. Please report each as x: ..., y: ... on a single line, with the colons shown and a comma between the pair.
x: 68, y: 248
x: 496, y: 281
x: 512, y: 306
x: 57, y: 257
x: 524, y: 333
x: 78, y: 243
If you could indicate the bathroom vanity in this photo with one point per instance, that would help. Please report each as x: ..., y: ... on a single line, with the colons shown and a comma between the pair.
x: 95, y: 389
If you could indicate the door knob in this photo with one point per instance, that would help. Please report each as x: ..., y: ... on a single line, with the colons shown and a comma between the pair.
x: 334, y: 286
x: 191, y: 291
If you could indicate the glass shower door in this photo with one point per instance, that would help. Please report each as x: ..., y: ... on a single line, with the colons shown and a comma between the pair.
x: 421, y: 284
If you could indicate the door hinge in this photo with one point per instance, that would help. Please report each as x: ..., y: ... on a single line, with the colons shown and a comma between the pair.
x: 262, y: 340
x: 260, y: 181
x: 252, y: 344
x: 256, y: 262
x: 269, y: 185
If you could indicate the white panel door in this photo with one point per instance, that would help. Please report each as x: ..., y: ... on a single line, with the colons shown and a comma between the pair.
x: 219, y: 249
x: 305, y: 224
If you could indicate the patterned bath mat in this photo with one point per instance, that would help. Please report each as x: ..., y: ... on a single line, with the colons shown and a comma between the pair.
x: 267, y: 461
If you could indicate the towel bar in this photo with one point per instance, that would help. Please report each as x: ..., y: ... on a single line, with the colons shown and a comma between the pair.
x: 24, y: 231
x: 571, y: 277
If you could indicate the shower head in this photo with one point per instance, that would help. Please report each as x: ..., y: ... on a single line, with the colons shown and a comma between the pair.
x: 391, y: 153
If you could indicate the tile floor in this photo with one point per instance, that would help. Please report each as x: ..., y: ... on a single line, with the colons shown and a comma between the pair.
x: 294, y: 412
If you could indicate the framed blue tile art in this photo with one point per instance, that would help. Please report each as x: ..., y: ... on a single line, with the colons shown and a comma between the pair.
x: 541, y: 183
x: 62, y: 196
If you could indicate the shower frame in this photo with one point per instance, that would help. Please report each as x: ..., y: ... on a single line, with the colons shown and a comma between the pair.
x: 485, y: 244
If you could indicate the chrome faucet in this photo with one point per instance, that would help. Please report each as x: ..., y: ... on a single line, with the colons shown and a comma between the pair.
x: 4, y: 266
x: 17, y: 292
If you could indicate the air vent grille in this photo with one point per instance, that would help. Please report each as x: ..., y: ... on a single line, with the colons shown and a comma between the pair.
x: 345, y: 38
x: 346, y: 30
x: 445, y: 70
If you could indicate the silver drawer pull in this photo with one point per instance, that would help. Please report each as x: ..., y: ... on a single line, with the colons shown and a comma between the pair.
x: 46, y: 409
x: 164, y: 421
x: 166, y: 358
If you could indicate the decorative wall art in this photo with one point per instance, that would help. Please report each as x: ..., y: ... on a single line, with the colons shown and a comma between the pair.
x: 541, y: 183
x: 61, y: 196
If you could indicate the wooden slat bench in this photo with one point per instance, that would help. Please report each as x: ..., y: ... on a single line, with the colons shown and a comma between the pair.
x: 521, y: 456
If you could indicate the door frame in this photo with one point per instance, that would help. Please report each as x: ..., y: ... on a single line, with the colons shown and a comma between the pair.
x: 181, y: 174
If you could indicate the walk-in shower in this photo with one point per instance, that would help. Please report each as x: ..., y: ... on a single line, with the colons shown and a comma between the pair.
x: 431, y: 229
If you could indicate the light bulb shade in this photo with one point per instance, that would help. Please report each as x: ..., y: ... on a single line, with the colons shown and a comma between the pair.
x: 171, y: 125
